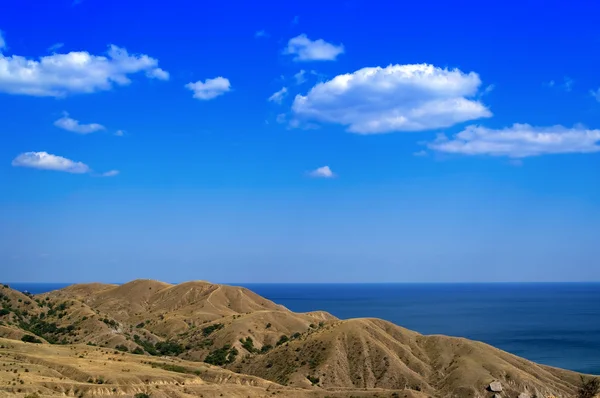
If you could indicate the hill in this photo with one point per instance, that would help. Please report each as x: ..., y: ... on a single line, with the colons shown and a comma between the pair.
x: 201, y: 337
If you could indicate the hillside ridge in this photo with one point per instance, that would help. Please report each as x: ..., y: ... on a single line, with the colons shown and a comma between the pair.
x: 198, y: 325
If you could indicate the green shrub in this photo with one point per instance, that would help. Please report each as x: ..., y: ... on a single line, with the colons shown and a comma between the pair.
x: 222, y: 356
x: 4, y: 311
x: 211, y: 328
x: 248, y: 345
x: 141, y: 395
x: 138, y: 351
x: 30, y: 339
x: 123, y: 348
x: 283, y: 339
x: 313, y: 380
x: 169, y: 348
x: 266, y: 348
x: 268, y: 325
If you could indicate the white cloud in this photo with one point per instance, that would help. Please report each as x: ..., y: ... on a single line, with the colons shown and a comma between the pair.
x: 281, y: 118
x: 70, y: 124
x: 46, y: 161
x: 519, y: 141
x: 322, y: 172
x: 119, y: 133
x: 305, y: 49
x: 158, y: 73
x: 396, y: 98
x: 2, y: 42
x: 595, y: 94
x: 261, y: 33
x: 110, y: 173
x: 55, y: 47
x: 76, y: 72
x: 210, y: 88
x: 278, y: 96
x: 567, y: 84
x: 301, y: 76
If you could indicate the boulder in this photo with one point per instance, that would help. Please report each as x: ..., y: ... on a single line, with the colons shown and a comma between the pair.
x: 495, y: 386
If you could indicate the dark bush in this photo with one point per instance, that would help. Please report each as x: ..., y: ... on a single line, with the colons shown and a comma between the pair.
x: 589, y: 388
x: 222, y: 356
x: 283, y: 339
x: 30, y: 339
x: 211, y: 328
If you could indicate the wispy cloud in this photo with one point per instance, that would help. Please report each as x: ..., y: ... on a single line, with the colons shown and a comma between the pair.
x: 304, y: 49
x: 595, y: 94
x: 110, y: 173
x: 322, y: 172
x: 2, y: 41
x: 261, y: 33
x: 519, y: 141
x: 55, y: 47
x: 566, y: 85
x: 279, y: 95
x: 70, y: 124
x: 119, y: 133
x: 210, y: 88
x: 76, y: 72
x: 46, y: 161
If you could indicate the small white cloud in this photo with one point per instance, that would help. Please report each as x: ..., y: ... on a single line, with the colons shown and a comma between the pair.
x: 396, y: 98
x: 595, y: 94
x: 70, y: 124
x: 281, y: 118
x: 110, y: 173
x: 55, y: 47
x: 77, y: 72
x: 279, y: 95
x: 261, y: 33
x: 119, y: 133
x: 46, y: 161
x: 300, y: 77
x: 566, y: 85
x: 519, y: 141
x: 322, y: 172
x: 210, y: 88
x: 158, y: 73
x: 305, y: 49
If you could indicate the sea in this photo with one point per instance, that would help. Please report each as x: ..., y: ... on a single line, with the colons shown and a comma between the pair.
x: 556, y: 324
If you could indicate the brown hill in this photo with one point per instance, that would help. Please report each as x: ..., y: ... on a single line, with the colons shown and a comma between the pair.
x: 196, y: 323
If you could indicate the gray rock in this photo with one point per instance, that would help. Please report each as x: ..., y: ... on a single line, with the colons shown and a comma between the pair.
x: 495, y: 386
x: 524, y: 395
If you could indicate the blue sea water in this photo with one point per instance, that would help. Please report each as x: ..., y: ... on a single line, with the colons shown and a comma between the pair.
x: 552, y: 324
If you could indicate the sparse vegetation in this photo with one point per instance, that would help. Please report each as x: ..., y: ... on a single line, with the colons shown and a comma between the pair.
x: 123, y: 348
x: 169, y: 348
x: 222, y: 356
x: 248, y: 345
x: 207, y: 331
x: 589, y: 388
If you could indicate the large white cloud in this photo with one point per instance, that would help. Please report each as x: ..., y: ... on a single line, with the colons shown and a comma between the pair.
x: 70, y: 124
x: 46, y: 161
x: 58, y: 75
x: 396, y: 98
x: 305, y: 49
x: 519, y: 141
x: 210, y: 88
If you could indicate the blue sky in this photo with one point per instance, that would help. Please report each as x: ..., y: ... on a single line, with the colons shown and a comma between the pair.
x: 308, y: 141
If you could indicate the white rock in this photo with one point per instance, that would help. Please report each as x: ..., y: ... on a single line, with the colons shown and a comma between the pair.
x: 495, y: 386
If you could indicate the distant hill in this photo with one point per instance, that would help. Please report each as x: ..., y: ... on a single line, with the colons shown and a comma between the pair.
x: 198, y: 338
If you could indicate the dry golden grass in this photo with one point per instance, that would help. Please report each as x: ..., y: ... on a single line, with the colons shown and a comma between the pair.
x: 322, y: 356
